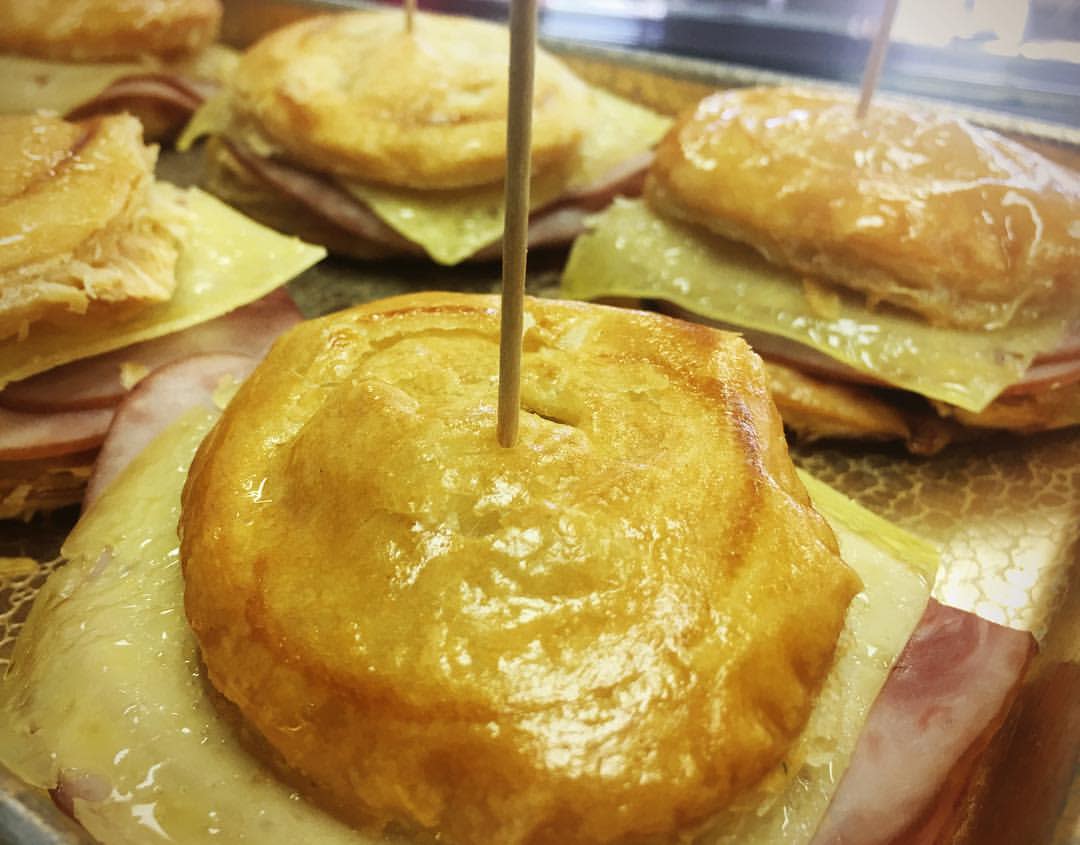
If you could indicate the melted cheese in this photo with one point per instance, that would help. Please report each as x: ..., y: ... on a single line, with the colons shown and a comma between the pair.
x: 107, y: 688
x: 632, y: 252
x: 227, y: 261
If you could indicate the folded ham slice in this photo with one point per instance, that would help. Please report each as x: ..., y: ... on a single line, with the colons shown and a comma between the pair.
x: 157, y: 401
x: 322, y: 197
x: 102, y: 381
x: 26, y: 436
x: 164, y: 102
x: 166, y: 88
x: 949, y: 691
x: 71, y: 409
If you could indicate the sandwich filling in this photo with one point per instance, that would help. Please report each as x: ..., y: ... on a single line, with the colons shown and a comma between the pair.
x: 96, y: 256
x: 631, y: 251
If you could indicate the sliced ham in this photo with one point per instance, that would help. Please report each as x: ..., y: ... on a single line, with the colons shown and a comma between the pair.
x: 558, y: 223
x: 546, y: 228
x: 1045, y: 375
x: 163, y: 102
x: 1067, y: 350
x: 322, y: 197
x: 156, y: 402
x: 951, y: 686
x: 29, y: 436
x: 166, y: 88
x: 627, y: 179
x: 556, y: 226
x: 102, y: 381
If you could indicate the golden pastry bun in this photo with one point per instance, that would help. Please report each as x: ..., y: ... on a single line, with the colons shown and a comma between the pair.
x: 98, y: 30
x: 924, y: 212
x: 603, y: 634
x: 81, y: 221
x: 356, y: 95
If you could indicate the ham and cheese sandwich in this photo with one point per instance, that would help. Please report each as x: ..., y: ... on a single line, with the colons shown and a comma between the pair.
x: 102, y: 268
x: 380, y: 626
x: 907, y: 276
x: 350, y: 131
x: 152, y: 58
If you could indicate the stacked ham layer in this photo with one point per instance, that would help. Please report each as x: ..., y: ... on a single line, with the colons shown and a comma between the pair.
x: 52, y: 424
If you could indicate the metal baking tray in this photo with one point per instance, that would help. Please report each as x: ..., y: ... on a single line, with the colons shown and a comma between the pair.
x: 1042, y: 744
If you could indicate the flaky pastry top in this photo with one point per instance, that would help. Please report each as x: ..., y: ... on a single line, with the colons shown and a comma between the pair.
x: 97, y: 30
x: 82, y: 221
x: 356, y: 95
x: 605, y: 632
x: 60, y: 182
x: 925, y: 212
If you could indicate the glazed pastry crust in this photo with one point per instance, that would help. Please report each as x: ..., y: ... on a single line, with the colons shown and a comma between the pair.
x: 928, y: 213
x: 602, y: 634
x: 816, y: 408
x: 98, y: 30
x: 81, y: 221
x: 356, y: 95
x: 1056, y: 407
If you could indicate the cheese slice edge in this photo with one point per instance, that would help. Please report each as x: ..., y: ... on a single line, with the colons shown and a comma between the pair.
x: 630, y: 251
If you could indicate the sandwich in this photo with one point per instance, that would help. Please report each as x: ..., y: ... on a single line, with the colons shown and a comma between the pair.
x: 155, y: 59
x: 105, y: 274
x: 907, y: 276
x: 379, y: 625
x: 348, y: 130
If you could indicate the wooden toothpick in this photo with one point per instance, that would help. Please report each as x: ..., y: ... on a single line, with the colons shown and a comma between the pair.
x: 876, y: 59
x: 515, y: 234
x: 410, y: 15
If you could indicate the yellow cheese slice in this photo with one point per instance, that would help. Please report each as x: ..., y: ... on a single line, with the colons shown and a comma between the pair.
x: 213, y: 117
x: 632, y: 252
x: 119, y: 690
x: 453, y: 225
x: 106, y: 685
x: 33, y: 84
x: 897, y: 570
x: 227, y: 261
